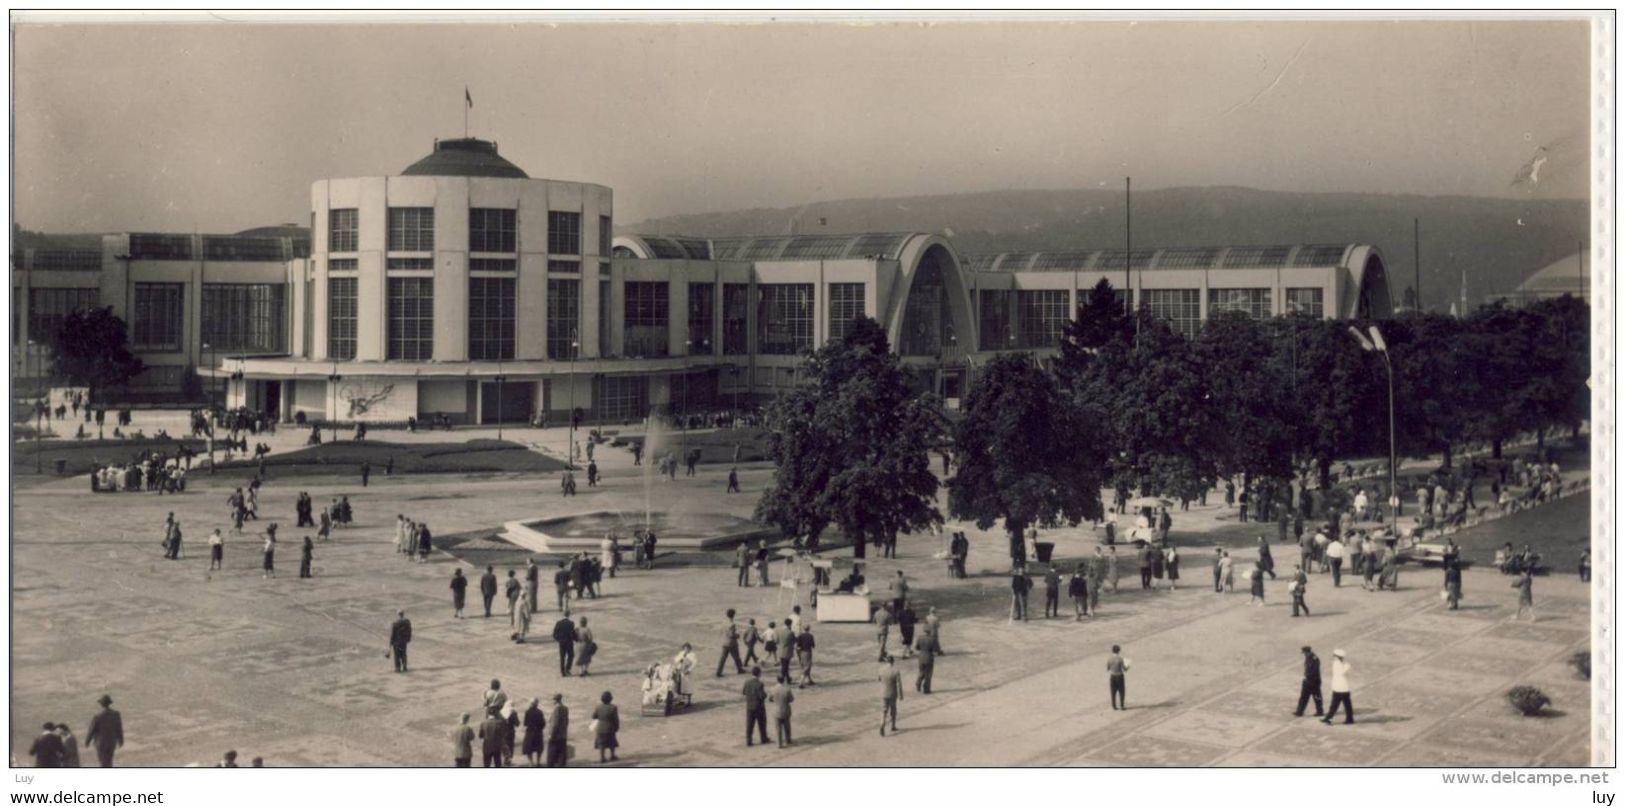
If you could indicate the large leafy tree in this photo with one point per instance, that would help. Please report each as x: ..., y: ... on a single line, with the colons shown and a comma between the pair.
x: 1437, y: 382
x: 1561, y: 361
x: 1026, y: 454
x: 1248, y: 367
x: 1342, y: 394
x: 92, y: 350
x: 1102, y: 320
x: 853, y: 445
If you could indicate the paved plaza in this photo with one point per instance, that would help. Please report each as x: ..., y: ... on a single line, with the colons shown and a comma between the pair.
x: 294, y: 670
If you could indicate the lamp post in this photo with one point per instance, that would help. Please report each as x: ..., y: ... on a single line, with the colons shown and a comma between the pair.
x: 500, y: 379
x: 39, y: 414
x: 333, y: 390
x: 1376, y: 344
x: 575, y: 345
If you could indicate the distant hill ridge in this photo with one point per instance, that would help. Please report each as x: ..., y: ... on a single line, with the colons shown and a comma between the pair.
x: 1497, y: 242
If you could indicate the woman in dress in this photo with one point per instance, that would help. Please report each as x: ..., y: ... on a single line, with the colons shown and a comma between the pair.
x: 606, y: 554
x: 1171, y: 560
x: 1256, y: 576
x: 535, y: 735
x: 1266, y: 563
x: 306, y: 556
x: 606, y: 720
x: 270, y: 555
x: 425, y: 542
x: 589, y: 646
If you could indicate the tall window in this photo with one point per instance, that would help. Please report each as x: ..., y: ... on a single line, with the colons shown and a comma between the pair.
x: 490, y: 230
x: 411, y: 318
x: 996, y: 333
x: 784, y: 318
x: 411, y: 229
x: 1255, y: 302
x: 1311, y: 301
x: 563, y: 317
x: 647, y: 319
x: 1182, y: 307
x: 563, y: 233
x: 845, y: 305
x: 159, y: 316
x: 341, y: 318
x: 1042, y: 315
x: 735, y: 318
x: 702, y: 318
x: 245, y: 316
x: 342, y: 228
x: 490, y: 318
x: 48, y: 307
x: 622, y: 397
x: 604, y: 235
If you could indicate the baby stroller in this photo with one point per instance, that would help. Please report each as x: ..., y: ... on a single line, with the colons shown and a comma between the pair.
x: 665, y: 688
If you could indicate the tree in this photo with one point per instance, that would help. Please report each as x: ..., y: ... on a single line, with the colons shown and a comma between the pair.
x: 1437, y: 388
x: 853, y: 445
x: 1026, y: 454
x: 1101, y: 320
x: 1342, y: 396
x: 1250, y: 387
x: 92, y: 350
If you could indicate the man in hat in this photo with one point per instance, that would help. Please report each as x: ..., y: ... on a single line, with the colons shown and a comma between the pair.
x: 106, y: 732
x: 400, y: 634
x: 1340, y: 689
x: 558, y: 733
x: 1311, y: 684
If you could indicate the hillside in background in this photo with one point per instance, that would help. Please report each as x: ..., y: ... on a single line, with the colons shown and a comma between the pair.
x: 1496, y: 242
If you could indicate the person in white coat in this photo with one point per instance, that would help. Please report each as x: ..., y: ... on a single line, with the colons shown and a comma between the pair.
x: 1340, y: 689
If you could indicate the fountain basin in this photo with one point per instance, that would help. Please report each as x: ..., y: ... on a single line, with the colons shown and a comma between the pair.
x: 692, y: 532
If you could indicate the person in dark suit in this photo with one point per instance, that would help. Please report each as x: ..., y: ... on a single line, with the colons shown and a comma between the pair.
x: 927, y: 662
x: 106, y: 732
x: 781, y: 697
x: 488, y: 588
x: 1311, y: 684
x: 1052, y: 592
x: 755, y: 706
x: 459, y: 592
x: 730, y: 636
x: 535, y: 736
x: 558, y: 733
x: 491, y: 731
x: 564, y: 632
x: 47, y: 747
x: 400, y: 634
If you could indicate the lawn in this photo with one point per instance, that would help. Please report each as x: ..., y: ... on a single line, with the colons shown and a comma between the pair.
x: 83, y: 455
x: 346, y: 456
x: 716, y: 447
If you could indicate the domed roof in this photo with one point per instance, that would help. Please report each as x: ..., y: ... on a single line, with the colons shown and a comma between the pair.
x: 1562, y: 276
x: 465, y: 157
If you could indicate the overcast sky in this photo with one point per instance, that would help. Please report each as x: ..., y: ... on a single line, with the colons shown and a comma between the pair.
x: 223, y: 127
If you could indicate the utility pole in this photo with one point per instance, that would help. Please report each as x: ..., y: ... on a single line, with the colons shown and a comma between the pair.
x: 1128, y: 250
x: 1416, y: 257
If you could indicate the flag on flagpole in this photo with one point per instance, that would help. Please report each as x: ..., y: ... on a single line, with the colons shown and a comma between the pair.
x: 467, y: 97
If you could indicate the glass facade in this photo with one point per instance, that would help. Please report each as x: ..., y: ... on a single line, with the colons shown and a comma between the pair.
x: 157, y: 246
x: 342, y: 264
x: 492, y: 264
x: 563, y: 233
x: 245, y: 317
x: 702, y: 318
x: 158, y: 316
x: 1310, y: 301
x: 341, y: 318
x: 925, y: 313
x: 563, y: 317
x: 735, y: 318
x: 48, y: 307
x: 845, y: 305
x: 411, y: 319
x: 995, y: 330
x: 605, y: 234
x: 784, y: 318
x: 491, y: 230
x: 621, y: 397
x: 409, y: 264
x: 564, y: 266
x: 647, y: 319
x: 411, y: 229
x: 343, y: 226
x: 1042, y: 315
x: 1255, y: 302
x: 490, y: 318
x: 1181, y: 307
x: 605, y: 321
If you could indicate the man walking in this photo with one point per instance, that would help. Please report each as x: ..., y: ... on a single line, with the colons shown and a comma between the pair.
x: 733, y: 480
x: 730, y: 646
x: 1452, y: 584
x: 106, y: 732
x: 564, y: 632
x: 891, y: 690
x: 366, y: 472
x: 1077, y: 588
x: 1019, y: 583
x: 1340, y: 689
x: 927, y: 659
x: 462, y: 744
x: 899, y: 592
x: 1218, y: 569
x: 1116, y: 672
x: 1526, y: 593
x: 883, y: 621
x: 459, y: 592
x: 400, y: 634
x: 488, y: 588
x: 781, y: 697
x: 1335, y: 552
x: 1052, y: 592
x: 532, y: 577
x: 1300, y: 582
x: 755, y: 706
x: 742, y: 560
x: 558, y: 733
x: 1146, y: 554
x: 1311, y: 684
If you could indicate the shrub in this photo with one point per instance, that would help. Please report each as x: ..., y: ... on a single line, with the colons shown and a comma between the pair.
x: 1528, y: 699
x: 1581, y: 661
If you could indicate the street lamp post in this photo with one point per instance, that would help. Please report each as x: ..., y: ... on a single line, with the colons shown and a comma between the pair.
x: 333, y: 390
x: 1376, y: 344
x: 575, y: 345
x: 39, y: 412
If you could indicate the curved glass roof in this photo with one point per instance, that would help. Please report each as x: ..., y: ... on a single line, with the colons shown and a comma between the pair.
x: 884, y: 245
x: 1182, y: 257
